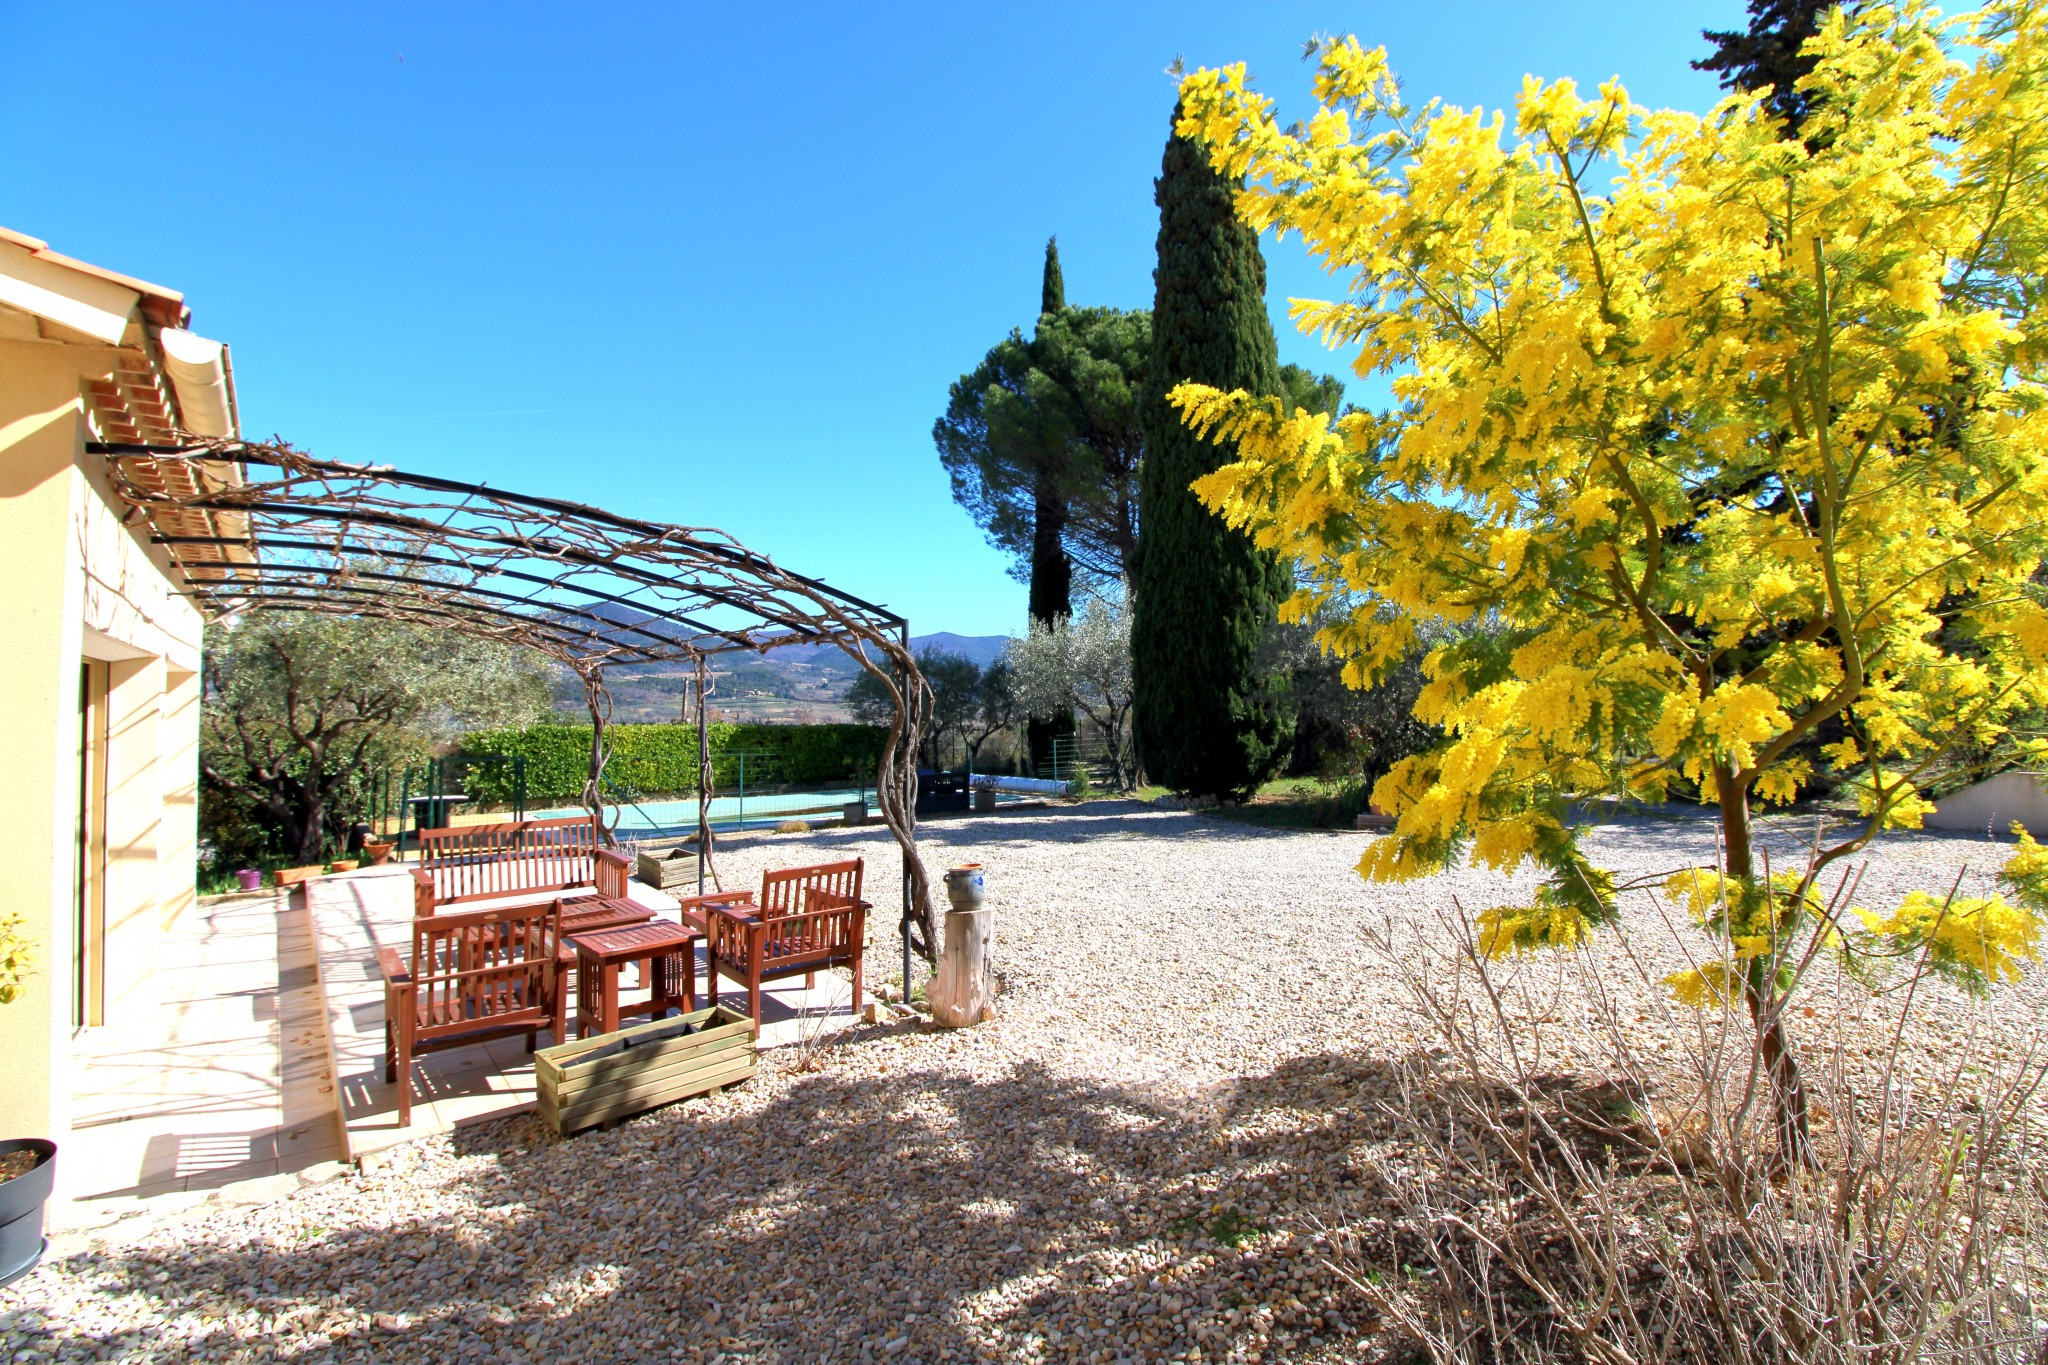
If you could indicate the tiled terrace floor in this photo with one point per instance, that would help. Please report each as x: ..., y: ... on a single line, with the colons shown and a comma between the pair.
x: 357, y: 913
x: 229, y: 1082
x: 234, y: 1080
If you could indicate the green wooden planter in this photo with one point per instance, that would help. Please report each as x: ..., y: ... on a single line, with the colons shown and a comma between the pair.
x: 613, y: 1076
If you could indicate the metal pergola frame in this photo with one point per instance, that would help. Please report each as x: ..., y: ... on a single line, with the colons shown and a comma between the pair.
x: 262, y: 526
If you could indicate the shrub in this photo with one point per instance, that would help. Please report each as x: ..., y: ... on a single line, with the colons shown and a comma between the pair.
x: 14, y: 959
x: 662, y: 759
x: 1533, y: 1214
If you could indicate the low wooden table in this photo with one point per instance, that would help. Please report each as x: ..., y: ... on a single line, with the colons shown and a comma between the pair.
x: 583, y: 914
x: 587, y: 914
x: 669, y: 950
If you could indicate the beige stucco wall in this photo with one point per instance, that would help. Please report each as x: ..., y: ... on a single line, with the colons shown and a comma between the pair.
x: 79, y: 583
x: 135, y: 821
x: 177, y: 850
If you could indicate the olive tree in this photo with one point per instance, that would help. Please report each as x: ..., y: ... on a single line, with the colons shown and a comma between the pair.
x: 299, y: 709
x: 1082, y: 662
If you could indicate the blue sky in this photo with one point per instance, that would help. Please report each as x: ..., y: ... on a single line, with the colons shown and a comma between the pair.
x: 708, y: 264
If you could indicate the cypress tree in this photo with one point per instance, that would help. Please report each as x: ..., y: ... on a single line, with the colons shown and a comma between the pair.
x: 1052, y: 290
x: 1766, y: 56
x: 1052, y: 573
x: 1205, y: 720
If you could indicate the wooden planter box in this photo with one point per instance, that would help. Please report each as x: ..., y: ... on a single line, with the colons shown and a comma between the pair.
x: 1372, y: 817
x: 665, y: 871
x: 616, y: 1075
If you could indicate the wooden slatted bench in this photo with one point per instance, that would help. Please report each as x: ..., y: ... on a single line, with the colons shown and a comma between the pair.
x: 532, y: 860
x: 782, y: 891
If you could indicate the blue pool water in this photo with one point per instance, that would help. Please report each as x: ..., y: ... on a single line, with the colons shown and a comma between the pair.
x: 727, y: 812
x: 733, y: 812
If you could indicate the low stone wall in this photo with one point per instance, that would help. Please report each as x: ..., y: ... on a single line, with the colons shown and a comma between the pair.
x: 1993, y: 804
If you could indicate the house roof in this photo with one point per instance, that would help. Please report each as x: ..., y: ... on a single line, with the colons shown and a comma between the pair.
x: 162, y: 384
x: 162, y: 307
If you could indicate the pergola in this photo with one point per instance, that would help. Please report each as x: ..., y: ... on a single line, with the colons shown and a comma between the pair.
x: 261, y: 526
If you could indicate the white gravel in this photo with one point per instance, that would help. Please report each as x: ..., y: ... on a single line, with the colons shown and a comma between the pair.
x: 1193, y: 1046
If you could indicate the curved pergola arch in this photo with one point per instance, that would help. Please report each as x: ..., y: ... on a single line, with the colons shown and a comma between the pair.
x: 264, y: 526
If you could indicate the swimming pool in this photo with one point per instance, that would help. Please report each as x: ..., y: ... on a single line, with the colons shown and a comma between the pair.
x: 726, y: 812
x: 662, y: 818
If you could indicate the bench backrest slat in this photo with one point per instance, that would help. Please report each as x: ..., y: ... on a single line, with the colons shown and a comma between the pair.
x: 477, y: 862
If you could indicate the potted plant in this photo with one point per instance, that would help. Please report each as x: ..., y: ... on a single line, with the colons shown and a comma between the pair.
x: 28, y: 1166
x: 249, y: 878
x: 379, y: 850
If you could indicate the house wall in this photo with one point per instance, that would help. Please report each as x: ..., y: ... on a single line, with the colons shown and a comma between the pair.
x: 80, y: 584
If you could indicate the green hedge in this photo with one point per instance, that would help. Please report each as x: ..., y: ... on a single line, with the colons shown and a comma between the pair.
x: 654, y: 760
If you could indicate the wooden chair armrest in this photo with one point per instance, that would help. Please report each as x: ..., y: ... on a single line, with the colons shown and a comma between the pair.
x: 727, y: 936
x: 393, y: 967
x: 695, y: 908
x: 727, y: 913
x: 423, y: 900
x: 609, y: 872
x: 711, y: 897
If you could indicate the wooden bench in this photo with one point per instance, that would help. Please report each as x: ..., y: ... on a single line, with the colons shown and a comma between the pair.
x: 474, y: 975
x: 529, y: 859
x: 806, y: 918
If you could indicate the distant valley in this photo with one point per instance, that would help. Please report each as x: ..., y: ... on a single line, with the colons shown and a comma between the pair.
x: 798, y: 684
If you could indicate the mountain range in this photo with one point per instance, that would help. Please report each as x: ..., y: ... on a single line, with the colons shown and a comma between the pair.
x: 794, y: 684
x: 982, y: 649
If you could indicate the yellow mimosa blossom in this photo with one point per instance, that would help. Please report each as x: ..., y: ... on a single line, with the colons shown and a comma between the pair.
x: 1716, y: 985
x: 1981, y: 940
x: 1507, y: 929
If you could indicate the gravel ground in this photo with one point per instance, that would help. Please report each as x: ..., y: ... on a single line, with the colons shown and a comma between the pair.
x: 1189, y: 1070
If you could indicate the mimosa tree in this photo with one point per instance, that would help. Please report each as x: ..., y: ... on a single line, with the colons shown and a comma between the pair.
x: 1741, y: 446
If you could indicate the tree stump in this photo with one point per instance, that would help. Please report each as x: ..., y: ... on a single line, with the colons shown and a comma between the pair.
x: 963, y: 990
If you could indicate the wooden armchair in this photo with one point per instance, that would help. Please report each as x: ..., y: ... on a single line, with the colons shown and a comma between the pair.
x: 782, y: 892
x: 807, y: 918
x: 474, y: 976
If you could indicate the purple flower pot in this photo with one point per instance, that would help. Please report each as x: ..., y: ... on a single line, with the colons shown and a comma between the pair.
x: 250, y: 878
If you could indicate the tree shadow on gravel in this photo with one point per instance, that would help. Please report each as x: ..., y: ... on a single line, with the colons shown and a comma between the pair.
x: 922, y: 1216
